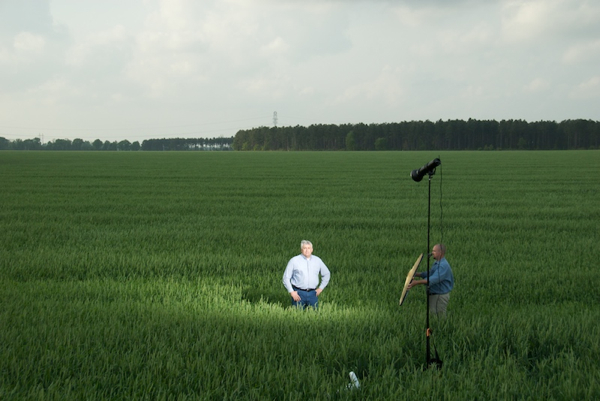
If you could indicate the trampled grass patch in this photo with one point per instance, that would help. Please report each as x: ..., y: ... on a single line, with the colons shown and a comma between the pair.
x: 158, y: 275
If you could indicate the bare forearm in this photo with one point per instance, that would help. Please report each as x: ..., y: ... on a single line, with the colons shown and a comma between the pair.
x: 415, y: 283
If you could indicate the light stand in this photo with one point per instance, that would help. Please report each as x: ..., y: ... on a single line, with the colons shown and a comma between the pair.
x: 428, y: 331
x: 417, y: 175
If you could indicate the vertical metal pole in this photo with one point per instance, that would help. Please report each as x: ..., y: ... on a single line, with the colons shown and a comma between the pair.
x: 428, y: 332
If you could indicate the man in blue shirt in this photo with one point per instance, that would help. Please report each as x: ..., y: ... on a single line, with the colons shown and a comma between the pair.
x: 301, y: 277
x: 440, y: 280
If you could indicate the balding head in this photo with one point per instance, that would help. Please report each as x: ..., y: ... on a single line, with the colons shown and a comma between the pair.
x: 438, y: 251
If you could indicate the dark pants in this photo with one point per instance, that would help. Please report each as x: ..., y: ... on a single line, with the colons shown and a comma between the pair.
x: 307, y: 298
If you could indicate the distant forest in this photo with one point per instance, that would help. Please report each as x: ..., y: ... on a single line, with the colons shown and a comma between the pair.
x: 125, y: 145
x: 410, y: 135
x: 426, y: 135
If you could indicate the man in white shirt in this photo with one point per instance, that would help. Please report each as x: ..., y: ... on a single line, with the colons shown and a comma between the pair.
x: 301, y: 277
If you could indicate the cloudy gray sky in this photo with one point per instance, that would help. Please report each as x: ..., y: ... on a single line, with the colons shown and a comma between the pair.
x: 140, y: 69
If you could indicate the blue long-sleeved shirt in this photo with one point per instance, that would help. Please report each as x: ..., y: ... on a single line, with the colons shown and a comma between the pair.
x: 304, y: 273
x: 441, y: 279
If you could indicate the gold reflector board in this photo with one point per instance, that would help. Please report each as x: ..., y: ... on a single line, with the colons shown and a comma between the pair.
x: 409, y: 278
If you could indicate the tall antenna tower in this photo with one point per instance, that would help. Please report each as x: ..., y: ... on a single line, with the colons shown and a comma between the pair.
x: 275, y: 119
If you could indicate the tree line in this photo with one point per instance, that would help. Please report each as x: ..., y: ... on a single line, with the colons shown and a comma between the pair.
x: 408, y: 135
x: 124, y: 145
x: 426, y: 135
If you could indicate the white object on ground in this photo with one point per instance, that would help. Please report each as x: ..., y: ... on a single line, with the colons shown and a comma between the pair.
x: 354, y: 380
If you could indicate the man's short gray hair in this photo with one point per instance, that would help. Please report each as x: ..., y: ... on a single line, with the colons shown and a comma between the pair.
x: 305, y: 242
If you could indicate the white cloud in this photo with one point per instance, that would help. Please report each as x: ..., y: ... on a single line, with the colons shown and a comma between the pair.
x: 94, y: 49
x: 51, y: 91
x: 582, y: 52
x: 22, y: 49
x: 589, y: 89
x: 546, y: 20
x: 536, y: 85
x: 276, y: 47
x: 387, y: 87
x: 254, y: 46
x: 422, y: 15
x: 474, y: 39
x: 29, y: 43
x: 524, y: 20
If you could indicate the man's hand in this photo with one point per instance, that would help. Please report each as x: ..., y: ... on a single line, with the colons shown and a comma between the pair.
x: 415, y: 283
x: 295, y: 296
x: 319, y: 291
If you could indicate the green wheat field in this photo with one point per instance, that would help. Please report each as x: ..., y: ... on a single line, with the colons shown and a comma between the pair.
x: 157, y: 275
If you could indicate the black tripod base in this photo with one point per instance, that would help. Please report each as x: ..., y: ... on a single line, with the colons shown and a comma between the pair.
x: 434, y: 363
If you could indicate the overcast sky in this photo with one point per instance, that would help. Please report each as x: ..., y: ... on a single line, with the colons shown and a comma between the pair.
x: 141, y: 69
